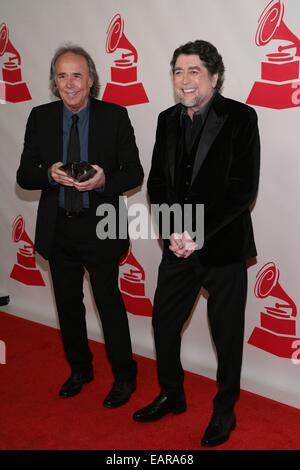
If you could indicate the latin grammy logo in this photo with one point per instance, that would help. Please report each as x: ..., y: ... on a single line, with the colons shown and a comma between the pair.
x: 277, y: 330
x: 132, y: 286
x: 25, y: 269
x: 124, y: 88
x: 280, y: 72
x: 12, y: 88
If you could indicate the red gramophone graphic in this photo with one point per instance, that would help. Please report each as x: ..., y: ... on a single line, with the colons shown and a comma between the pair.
x: 25, y: 270
x: 277, y: 330
x: 124, y: 89
x: 132, y: 286
x: 280, y: 72
x: 12, y: 88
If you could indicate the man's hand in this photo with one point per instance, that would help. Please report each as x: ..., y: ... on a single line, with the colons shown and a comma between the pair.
x: 60, y: 176
x: 182, y: 244
x: 97, y: 181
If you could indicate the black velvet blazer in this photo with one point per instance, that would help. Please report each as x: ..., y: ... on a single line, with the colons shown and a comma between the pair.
x: 111, y: 145
x: 225, y: 176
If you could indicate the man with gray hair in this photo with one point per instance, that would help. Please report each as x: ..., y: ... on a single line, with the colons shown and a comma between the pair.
x: 81, y: 153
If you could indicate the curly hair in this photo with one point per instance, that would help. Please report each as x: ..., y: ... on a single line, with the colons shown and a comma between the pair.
x: 207, y: 53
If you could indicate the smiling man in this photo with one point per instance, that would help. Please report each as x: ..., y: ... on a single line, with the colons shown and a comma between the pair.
x: 73, y: 80
x: 207, y: 151
x: 193, y: 84
x: 78, y: 128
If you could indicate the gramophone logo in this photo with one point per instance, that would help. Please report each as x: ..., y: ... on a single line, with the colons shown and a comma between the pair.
x: 12, y: 88
x: 25, y: 269
x: 124, y: 88
x: 278, y: 87
x: 277, y: 331
x: 132, y: 286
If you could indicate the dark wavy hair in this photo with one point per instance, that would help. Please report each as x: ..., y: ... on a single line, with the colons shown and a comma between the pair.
x: 95, y: 88
x: 207, y: 53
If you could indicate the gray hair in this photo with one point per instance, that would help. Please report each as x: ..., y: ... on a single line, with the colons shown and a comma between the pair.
x: 95, y: 88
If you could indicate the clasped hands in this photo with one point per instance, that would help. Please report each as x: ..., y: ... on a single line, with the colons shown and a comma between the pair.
x: 60, y: 177
x: 182, y: 245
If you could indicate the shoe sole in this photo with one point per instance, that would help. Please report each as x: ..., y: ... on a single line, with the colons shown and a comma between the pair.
x: 178, y: 410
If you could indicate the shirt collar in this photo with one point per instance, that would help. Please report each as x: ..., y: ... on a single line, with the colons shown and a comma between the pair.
x: 82, y: 114
x: 203, y: 111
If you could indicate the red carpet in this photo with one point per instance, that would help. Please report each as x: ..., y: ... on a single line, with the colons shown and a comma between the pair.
x: 34, y: 417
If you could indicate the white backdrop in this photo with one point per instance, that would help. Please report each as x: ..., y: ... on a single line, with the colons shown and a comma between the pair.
x: 155, y: 29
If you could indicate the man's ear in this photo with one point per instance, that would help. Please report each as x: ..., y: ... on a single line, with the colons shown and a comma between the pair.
x: 214, y: 80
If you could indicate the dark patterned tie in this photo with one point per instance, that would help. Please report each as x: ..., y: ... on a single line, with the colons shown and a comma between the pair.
x: 73, y: 198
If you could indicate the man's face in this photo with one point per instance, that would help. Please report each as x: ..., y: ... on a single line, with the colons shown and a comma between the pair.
x: 193, y: 84
x: 73, y: 81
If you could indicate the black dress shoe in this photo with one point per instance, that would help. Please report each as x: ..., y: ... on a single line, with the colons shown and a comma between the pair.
x: 73, y: 385
x: 218, y: 430
x: 119, y: 394
x: 161, y: 406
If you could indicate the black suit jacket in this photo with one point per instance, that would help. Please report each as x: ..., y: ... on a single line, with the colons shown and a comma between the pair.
x: 225, y: 176
x: 111, y: 145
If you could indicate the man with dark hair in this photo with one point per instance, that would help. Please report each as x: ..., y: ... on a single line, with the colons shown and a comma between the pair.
x: 207, y: 151
x: 81, y: 132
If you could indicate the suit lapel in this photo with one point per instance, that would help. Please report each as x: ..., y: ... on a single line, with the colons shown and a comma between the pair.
x: 99, y: 132
x: 173, y: 129
x: 212, y: 127
x: 55, y: 132
x: 94, y: 131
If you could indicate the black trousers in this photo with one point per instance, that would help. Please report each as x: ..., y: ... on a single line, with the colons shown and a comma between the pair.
x: 77, y: 248
x: 179, y: 283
